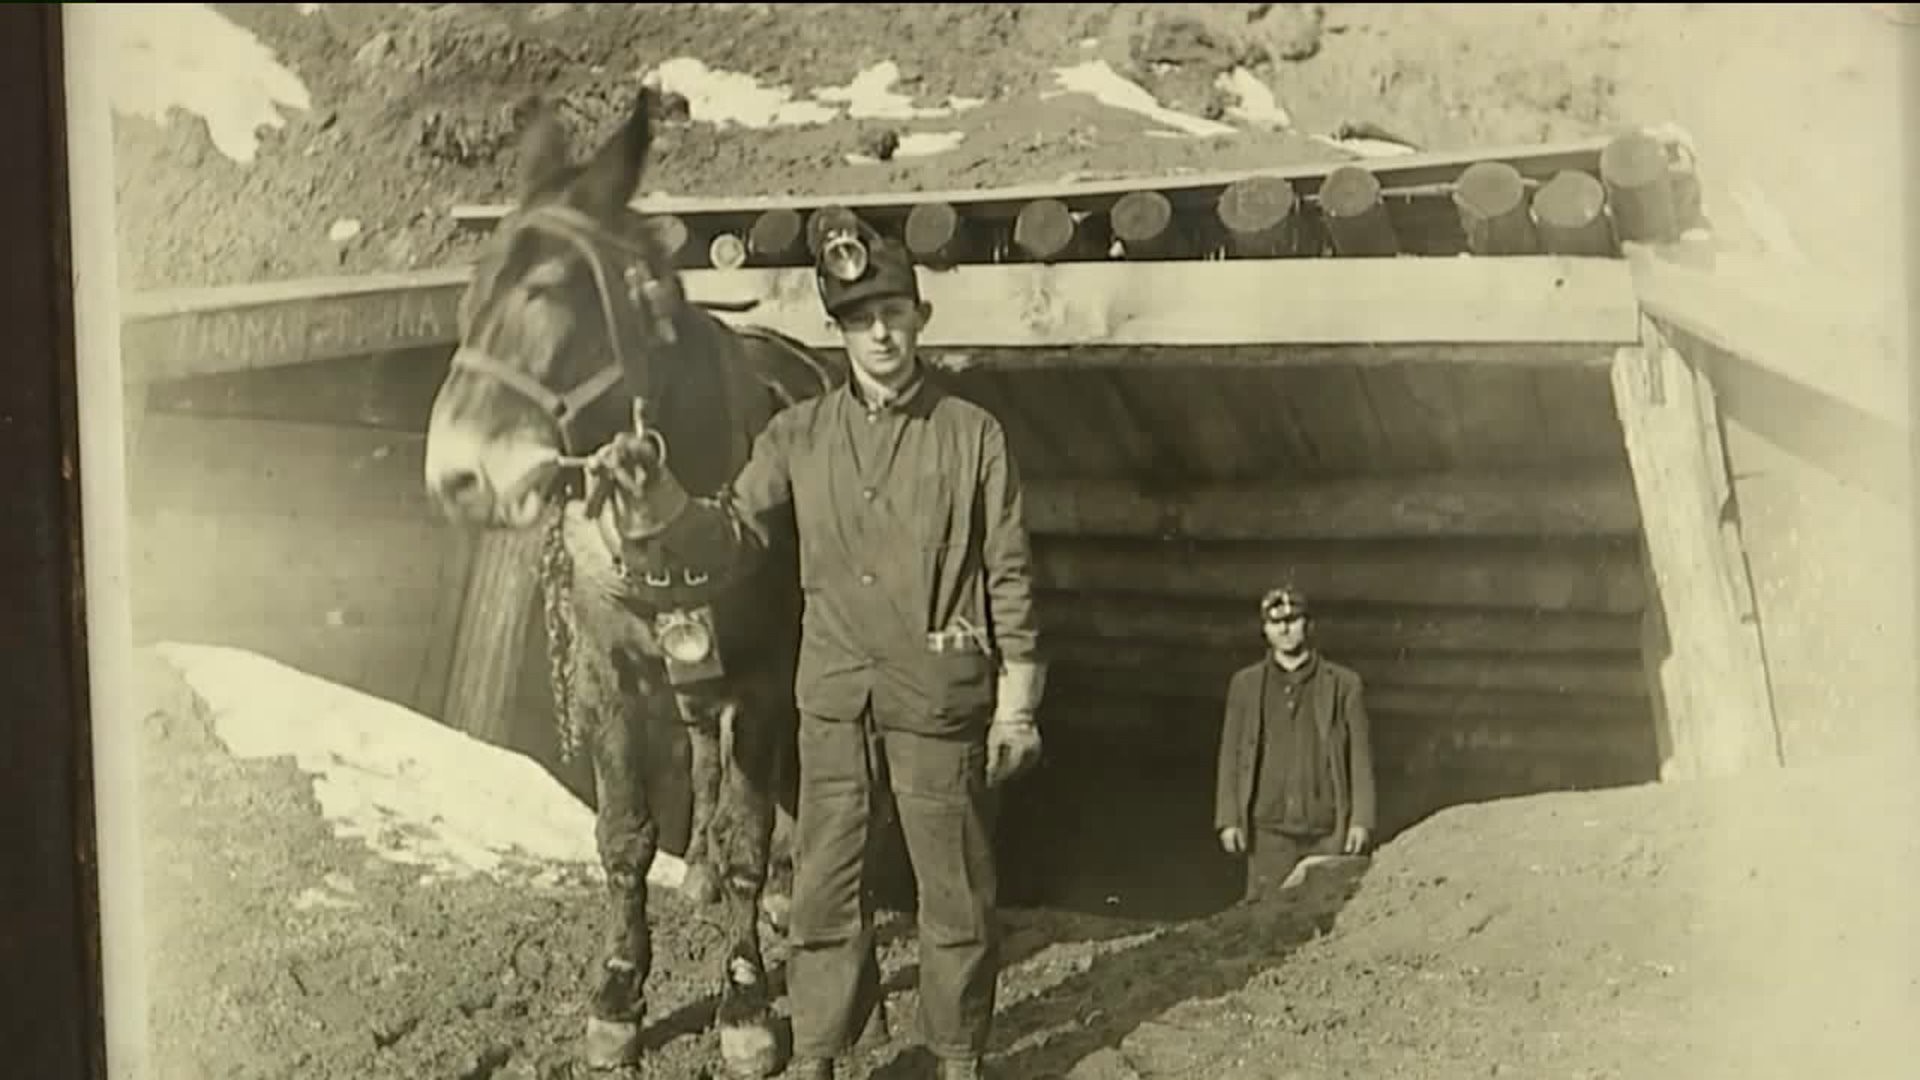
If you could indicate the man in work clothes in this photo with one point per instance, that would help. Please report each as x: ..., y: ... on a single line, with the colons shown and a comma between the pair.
x: 919, y: 673
x: 1296, y: 761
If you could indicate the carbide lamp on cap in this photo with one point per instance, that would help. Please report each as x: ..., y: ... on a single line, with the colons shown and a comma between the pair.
x: 842, y: 250
x: 1282, y: 602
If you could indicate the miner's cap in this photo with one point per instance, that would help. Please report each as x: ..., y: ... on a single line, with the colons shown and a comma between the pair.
x: 888, y: 271
x: 1283, y: 600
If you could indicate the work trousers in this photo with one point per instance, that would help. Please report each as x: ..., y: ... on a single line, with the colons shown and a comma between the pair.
x: 937, y: 787
x: 1272, y: 855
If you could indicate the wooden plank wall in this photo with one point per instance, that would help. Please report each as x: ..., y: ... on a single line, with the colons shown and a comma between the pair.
x: 1499, y: 660
x: 307, y: 540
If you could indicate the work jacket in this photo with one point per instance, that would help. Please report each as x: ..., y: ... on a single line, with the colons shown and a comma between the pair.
x: 914, y: 560
x: 1336, y: 702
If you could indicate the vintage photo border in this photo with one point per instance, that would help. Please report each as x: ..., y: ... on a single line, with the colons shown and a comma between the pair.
x: 66, y: 641
x: 54, y: 1003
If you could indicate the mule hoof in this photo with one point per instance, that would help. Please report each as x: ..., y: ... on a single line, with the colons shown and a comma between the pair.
x: 611, y: 1044
x: 700, y: 885
x: 750, y: 1051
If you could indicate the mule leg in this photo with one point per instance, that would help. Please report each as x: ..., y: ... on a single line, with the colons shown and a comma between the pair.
x: 627, y: 837
x: 749, y: 1045
x: 702, y: 717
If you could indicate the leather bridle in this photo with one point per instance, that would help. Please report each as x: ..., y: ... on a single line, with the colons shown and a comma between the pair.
x: 651, y: 303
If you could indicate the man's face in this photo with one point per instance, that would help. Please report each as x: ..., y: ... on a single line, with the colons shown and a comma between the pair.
x: 1286, y: 632
x: 882, y: 334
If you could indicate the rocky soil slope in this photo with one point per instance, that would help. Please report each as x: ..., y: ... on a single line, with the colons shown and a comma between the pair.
x: 411, y: 108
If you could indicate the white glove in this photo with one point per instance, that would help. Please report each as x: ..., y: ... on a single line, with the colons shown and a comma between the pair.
x: 1013, y: 738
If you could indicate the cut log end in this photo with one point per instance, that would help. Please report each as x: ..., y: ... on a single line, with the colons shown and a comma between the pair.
x: 1491, y: 197
x: 1490, y: 189
x: 777, y: 236
x: 671, y: 234
x: 1356, y: 215
x: 1570, y: 212
x: 1046, y: 230
x: 1142, y: 222
x: 1349, y: 191
x: 1256, y: 204
x: 1634, y: 171
x: 1633, y: 160
x: 934, y: 233
x: 1259, y: 217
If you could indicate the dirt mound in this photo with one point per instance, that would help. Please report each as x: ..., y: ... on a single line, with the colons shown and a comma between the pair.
x: 1755, y: 928
x: 1748, y: 929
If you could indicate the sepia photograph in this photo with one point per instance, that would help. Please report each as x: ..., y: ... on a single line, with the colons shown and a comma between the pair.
x: 1023, y: 541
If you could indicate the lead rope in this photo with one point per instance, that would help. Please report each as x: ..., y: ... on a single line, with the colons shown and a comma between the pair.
x: 556, y: 587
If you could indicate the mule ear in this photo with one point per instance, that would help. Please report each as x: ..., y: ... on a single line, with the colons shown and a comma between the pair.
x: 543, y: 149
x: 611, y: 177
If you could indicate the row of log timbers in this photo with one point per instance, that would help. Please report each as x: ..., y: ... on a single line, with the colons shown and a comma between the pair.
x: 1644, y: 192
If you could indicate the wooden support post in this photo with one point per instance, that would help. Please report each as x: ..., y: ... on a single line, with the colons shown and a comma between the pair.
x: 1047, y: 231
x: 1570, y: 214
x: 1356, y: 214
x: 1634, y: 169
x: 1491, y: 197
x: 1143, y: 224
x: 501, y: 601
x: 1713, y: 684
x: 1260, y: 216
x: 936, y: 235
x: 777, y: 238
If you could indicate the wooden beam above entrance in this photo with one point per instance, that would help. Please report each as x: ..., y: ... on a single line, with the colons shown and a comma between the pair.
x: 1111, y: 311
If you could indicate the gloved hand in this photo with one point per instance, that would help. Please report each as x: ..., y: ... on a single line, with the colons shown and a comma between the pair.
x: 1013, y: 738
x: 1013, y: 747
x: 631, y: 471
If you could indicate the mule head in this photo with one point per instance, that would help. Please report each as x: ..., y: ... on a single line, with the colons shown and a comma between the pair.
x: 568, y: 303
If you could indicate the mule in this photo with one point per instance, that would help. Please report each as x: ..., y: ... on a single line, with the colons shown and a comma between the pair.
x: 573, y: 323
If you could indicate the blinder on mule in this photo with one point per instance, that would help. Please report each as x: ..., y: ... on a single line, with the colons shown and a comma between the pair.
x: 637, y: 306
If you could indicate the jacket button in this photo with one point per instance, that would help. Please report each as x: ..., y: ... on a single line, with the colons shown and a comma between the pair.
x: 866, y: 579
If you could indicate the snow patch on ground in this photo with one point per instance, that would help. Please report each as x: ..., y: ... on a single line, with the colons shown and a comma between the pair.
x: 414, y: 790
x: 733, y: 99
x: 1254, y: 101
x: 163, y: 57
x: 870, y: 95
x: 1097, y: 79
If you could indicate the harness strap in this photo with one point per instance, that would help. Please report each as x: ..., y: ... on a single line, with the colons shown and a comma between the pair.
x: 558, y: 406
